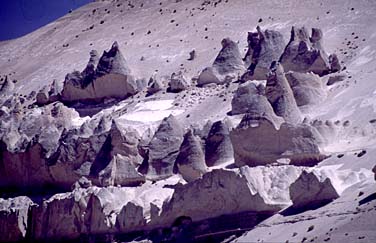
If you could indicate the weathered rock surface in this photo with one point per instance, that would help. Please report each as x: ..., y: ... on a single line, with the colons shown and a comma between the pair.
x: 163, y: 149
x: 218, y: 146
x: 154, y: 85
x: 304, y: 53
x: 281, y: 97
x: 374, y: 171
x: 45, y: 149
x: 190, y: 162
x: 264, y: 47
x: 227, y: 66
x: 111, y: 79
x: 27, y: 145
x: 177, y: 83
x: 48, y: 94
x: 14, y: 213
x: 310, y: 191
x: 219, y: 192
x: 118, y: 159
x: 6, y: 87
x: 94, y: 212
x: 307, y: 88
x: 257, y: 142
x: 250, y: 98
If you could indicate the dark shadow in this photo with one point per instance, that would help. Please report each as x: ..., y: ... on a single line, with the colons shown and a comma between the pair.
x: 297, y: 210
x: 103, y: 158
x: 367, y: 199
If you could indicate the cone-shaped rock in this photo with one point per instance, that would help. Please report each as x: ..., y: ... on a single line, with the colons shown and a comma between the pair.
x: 154, y: 85
x: 280, y: 95
x: 112, y: 62
x: 218, y: 147
x: 111, y: 79
x: 304, y: 53
x: 164, y: 148
x: 190, y: 162
x: 250, y: 98
x: 177, y: 83
x: 264, y: 47
x: 309, y: 191
x: 227, y: 66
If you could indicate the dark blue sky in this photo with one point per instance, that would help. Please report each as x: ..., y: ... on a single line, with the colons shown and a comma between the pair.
x: 19, y: 17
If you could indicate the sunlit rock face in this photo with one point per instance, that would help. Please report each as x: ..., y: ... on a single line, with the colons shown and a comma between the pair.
x: 256, y: 141
x: 109, y: 77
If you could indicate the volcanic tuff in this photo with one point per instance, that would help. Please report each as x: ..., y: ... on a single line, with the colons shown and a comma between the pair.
x: 181, y: 128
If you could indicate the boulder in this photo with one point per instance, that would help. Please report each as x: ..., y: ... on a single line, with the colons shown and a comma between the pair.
x: 335, y: 65
x: 111, y: 79
x: 264, y: 47
x: 217, y: 193
x: 305, y: 53
x: 374, y: 171
x: 250, y: 98
x: 207, y: 76
x: 154, y: 85
x: 218, y: 146
x: 177, y: 83
x: 163, y: 149
x: 227, y: 66
x: 310, y: 191
x: 190, y: 162
x: 14, y: 218
x: 131, y: 218
x: 281, y: 97
x: 307, y: 88
x: 256, y: 141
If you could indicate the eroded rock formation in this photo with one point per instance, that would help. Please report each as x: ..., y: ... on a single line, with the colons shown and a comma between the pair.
x: 264, y: 47
x: 310, y: 191
x: 111, y: 78
x: 227, y: 66
x: 257, y: 142
x: 163, y: 149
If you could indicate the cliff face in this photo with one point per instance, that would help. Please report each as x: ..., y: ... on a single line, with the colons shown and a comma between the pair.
x: 185, y: 127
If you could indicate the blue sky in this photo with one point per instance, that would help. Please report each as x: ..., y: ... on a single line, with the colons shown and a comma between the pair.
x: 20, y: 17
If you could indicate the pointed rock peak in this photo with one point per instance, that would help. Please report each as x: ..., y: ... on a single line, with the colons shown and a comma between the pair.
x: 112, y: 62
x: 115, y: 129
x: 311, y: 191
x: 114, y: 49
x: 115, y: 45
x: 280, y: 95
x: 228, y: 59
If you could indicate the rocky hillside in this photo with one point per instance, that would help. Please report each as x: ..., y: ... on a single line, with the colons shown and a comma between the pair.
x: 191, y: 121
